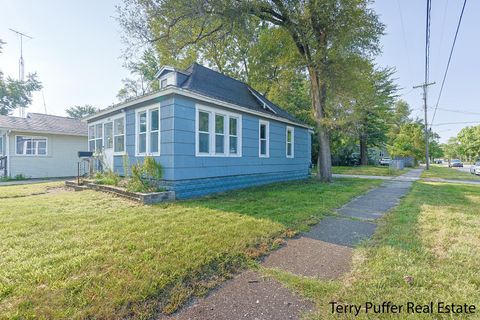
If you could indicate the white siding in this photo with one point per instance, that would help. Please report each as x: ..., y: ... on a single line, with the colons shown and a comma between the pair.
x: 60, y: 161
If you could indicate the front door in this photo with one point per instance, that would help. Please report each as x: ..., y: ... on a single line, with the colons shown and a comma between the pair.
x: 108, y: 145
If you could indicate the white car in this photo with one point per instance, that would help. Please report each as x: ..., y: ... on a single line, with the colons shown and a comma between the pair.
x: 475, y: 168
x: 385, y: 161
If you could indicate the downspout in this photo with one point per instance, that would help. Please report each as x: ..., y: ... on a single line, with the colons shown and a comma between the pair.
x: 7, y: 151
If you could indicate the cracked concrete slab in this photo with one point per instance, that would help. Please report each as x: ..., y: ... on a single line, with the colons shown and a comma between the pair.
x: 311, y: 258
x: 247, y: 296
x: 342, y: 231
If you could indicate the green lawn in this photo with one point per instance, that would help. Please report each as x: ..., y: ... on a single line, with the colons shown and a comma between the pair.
x: 27, y: 189
x: 432, y: 237
x: 448, y: 173
x: 91, y: 255
x: 368, y: 170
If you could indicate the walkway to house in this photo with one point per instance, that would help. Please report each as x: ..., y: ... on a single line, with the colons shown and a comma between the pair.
x: 324, y: 252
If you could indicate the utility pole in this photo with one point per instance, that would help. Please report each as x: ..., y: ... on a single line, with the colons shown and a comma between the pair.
x: 21, y: 64
x: 424, y: 87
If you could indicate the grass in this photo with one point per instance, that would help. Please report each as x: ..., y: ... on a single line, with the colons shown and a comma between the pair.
x: 431, y: 237
x: 91, y: 255
x: 448, y: 173
x: 16, y: 191
x: 368, y: 170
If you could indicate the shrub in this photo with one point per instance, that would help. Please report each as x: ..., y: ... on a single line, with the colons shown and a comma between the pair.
x: 109, y: 178
x: 145, y: 177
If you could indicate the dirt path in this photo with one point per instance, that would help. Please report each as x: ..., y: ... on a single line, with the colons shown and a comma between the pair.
x: 324, y: 252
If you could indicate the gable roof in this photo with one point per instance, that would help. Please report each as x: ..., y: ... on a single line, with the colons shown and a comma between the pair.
x: 211, y: 86
x: 222, y: 87
x: 42, y: 123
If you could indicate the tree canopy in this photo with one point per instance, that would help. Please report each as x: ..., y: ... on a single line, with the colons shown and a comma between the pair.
x: 15, y: 93
x: 263, y: 43
x: 80, y: 112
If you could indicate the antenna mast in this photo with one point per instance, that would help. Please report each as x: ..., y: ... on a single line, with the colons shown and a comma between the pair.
x: 21, y: 64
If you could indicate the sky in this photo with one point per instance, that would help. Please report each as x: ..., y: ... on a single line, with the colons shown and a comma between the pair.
x: 76, y: 51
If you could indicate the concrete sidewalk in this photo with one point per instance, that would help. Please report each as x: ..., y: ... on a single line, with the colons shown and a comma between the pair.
x: 325, y: 252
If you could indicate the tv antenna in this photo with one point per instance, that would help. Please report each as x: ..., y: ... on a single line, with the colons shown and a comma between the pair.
x: 21, y: 63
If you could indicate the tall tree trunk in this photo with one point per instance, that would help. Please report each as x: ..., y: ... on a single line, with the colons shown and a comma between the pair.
x: 363, y: 150
x: 319, y: 95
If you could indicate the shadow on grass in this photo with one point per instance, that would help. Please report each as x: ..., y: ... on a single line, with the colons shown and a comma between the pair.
x: 400, y: 228
x: 294, y: 204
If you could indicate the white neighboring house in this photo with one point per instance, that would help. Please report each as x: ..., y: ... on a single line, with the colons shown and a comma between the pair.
x: 41, y: 146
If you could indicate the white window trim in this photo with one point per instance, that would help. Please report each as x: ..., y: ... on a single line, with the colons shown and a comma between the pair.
x: 226, y: 130
x: 31, y: 155
x: 112, y: 120
x: 148, y: 110
x: 292, y: 129
x: 117, y: 153
x: 2, y: 145
x: 267, y: 132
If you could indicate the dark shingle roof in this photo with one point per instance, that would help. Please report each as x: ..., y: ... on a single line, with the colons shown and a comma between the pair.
x: 219, y: 86
x: 36, y: 122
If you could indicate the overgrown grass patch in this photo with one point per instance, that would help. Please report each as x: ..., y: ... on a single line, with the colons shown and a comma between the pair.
x: 91, y: 255
x: 448, y: 173
x: 368, y: 170
x: 427, y: 249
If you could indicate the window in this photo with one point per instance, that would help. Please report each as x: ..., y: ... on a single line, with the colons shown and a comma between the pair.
x: 289, y: 139
x: 119, y: 135
x: 148, y: 131
x: 264, y: 140
x: 108, y: 129
x: 95, y: 137
x: 31, y: 146
x: 154, y: 127
x: 204, y: 132
x: 91, y: 138
x: 98, y: 137
x: 163, y: 83
x: 217, y: 133
x: 142, y: 132
x: 233, y: 135
x: 1, y: 145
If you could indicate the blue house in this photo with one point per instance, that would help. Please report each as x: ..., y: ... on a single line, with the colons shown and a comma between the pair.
x: 210, y: 133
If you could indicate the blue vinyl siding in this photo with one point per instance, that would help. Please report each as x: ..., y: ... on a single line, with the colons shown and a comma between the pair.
x: 190, y: 175
x: 188, y: 166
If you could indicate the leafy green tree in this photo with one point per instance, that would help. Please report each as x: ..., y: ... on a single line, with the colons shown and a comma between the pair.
x: 80, y: 112
x: 14, y: 93
x: 469, y: 140
x: 409, y: 142
x: 401, y: 113
x: 325, y: 34
x: 452, y: 148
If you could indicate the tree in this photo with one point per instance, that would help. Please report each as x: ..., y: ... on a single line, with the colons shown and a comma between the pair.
x: 409, y: 142
x: 325, y: 33
x: 451, y: 149
x: 469, y: 140
x: 400, y: 115
x: 15, y: 93
x: 80, y: 112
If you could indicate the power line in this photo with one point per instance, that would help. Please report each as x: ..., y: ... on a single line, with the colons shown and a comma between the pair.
x: 450, y: 123
x: 456, y: 111
x: 449, y: 59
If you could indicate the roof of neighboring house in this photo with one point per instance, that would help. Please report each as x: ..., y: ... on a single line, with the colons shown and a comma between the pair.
x: 43, y: 123
x: 219, y: 86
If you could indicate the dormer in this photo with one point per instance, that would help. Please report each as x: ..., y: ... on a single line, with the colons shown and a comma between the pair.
x: 169, y: 76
